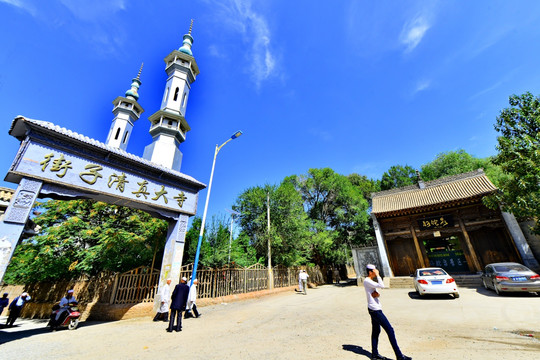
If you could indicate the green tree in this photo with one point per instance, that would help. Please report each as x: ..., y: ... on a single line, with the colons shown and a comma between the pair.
x: 519, y: 156
x: 398, y: 176
x: 338, y: 213
x: 459, y: 162
x: 86, y: 237
x: 288, y: 222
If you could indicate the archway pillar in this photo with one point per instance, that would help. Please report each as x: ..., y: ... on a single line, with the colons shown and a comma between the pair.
x: 15, y: 218
x: 172, y: 255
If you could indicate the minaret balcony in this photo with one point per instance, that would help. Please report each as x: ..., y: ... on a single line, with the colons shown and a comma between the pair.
x: 163, y: 122
x: 124, y: 104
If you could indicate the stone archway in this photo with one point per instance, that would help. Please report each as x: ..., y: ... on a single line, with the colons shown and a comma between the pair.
x: 56, y: 163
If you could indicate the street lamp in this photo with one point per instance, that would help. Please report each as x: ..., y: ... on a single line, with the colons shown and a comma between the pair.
x: 234, y: 136
x: 232, y: 212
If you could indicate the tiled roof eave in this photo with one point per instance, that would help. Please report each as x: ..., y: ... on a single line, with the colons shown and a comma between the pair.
x: 431, y: 207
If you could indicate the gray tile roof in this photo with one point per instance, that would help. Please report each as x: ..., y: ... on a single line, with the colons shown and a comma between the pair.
x: 450, y: 189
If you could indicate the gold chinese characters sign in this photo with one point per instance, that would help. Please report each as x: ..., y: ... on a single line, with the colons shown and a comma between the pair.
x: 61, y: 167
x: 436, y: 222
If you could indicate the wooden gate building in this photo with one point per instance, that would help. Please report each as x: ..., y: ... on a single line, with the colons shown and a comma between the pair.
x: 444, y: 223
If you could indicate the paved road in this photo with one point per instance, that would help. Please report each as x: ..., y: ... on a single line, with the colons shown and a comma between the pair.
x: 330, y: 322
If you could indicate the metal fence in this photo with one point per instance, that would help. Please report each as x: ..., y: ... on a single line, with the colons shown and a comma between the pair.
x: 140, y: 285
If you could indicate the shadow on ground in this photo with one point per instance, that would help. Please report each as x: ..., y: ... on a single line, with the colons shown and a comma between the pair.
x: 357, y: 350
x: 492, y: 293
x: 22, y: 330
x: 414, y: 295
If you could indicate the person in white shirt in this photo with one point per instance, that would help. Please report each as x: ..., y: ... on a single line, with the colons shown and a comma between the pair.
x: 303, y: 278
x: 192, y: 298
x: 165, y: 295
x: 64, y: 304
x: 371, y: 283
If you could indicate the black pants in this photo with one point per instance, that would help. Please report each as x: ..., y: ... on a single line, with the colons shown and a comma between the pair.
x: 161, y: 316
x: 178, y: 314
x: 378, y: 320
x: 13, y: 315
x: 195, y: 312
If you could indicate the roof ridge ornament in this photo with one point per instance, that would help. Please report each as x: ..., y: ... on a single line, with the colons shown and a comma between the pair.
x: 421, y: 184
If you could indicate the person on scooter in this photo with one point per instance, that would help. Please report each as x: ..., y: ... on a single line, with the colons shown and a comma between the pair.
x: 64, y: 304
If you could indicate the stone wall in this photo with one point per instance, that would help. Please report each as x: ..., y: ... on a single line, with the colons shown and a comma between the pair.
x: 88, y: 292
x: 532, y: 239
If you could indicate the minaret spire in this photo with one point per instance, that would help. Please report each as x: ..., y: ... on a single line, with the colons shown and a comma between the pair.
x: 188, y: 42
x: 126, y: 110
x: 169, y: 125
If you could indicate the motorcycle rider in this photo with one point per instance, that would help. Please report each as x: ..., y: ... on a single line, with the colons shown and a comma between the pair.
x: 64, y: 305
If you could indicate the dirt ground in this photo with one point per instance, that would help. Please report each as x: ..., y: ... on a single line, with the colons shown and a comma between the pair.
x: 330, y: 322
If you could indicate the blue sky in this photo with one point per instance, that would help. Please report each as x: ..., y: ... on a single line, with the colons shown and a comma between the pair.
x: 357, y: 86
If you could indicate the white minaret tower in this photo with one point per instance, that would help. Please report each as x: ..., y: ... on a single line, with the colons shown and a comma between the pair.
x: 126, y: 111
x: 168, y: 125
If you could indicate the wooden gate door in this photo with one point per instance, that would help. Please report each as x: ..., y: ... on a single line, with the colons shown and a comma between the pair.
x: 403, y: 257
x: 493, y: 245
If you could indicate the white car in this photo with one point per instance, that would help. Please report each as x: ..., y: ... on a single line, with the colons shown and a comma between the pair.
x: 434, y: 280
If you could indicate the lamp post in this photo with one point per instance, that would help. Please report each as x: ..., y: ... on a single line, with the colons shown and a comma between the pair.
x: 232, y: 212
x: 234, y: 136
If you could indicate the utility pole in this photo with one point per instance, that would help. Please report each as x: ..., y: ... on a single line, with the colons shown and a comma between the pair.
x: 270, y: 272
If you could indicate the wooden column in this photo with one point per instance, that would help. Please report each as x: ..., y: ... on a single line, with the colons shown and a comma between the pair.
x: 472, y: 258
x: 417, y: 247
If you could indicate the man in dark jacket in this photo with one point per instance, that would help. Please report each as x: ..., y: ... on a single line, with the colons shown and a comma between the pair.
x: 15, y: 308
x: 4, y: 302
x: 178, y: 305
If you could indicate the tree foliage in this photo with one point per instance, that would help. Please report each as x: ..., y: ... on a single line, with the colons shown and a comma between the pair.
x: 398, y: 176
x: 459, y: 162
x: 86, y: 237
x: 288, y: 222
x: 519, y: 156
x: 338, y: 213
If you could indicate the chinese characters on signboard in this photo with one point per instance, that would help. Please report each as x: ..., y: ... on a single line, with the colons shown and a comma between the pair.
x: 61, y: 167
x: 436, y: 222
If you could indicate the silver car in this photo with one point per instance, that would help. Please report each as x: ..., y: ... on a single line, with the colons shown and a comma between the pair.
x: 510, y: 277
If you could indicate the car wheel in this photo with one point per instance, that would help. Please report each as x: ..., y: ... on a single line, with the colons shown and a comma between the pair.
x: 496, y: 289
x: 485, y: 284
x: 456, y: 295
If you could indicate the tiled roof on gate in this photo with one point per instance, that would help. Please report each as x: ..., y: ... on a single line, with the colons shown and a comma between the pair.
x: 92, y: 142
x: 6, y: 194
x: 449, y: 189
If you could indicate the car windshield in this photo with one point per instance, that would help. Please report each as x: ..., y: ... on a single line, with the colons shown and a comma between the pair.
x: 510, y: 268
x: 432, y: 272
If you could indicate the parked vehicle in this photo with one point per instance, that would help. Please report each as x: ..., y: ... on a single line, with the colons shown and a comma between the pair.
x: 434, y: 280
x: 510, y: 277
x: 68, y: 318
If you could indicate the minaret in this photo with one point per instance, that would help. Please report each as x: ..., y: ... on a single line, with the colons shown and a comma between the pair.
x: 168, y: 125
x: 126, y: 111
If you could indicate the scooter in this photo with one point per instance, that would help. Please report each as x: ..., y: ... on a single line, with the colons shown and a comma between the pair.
x: 69, y: 318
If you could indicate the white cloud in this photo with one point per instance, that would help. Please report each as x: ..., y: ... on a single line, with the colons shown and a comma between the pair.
x: 95, y: 9
x: 324, y: 136
x: 413, y: 32
x: 21, y: 5
x: 240, y: 16
x: 422, y: 85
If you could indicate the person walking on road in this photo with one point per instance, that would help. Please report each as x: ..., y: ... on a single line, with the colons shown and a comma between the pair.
x: 378, y: 319
x: 4, y: 302
x: 303, y: 278
x: 192, y: 298
x: 15, y: 308
x: 165, y: 296
x: 178, y: 305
